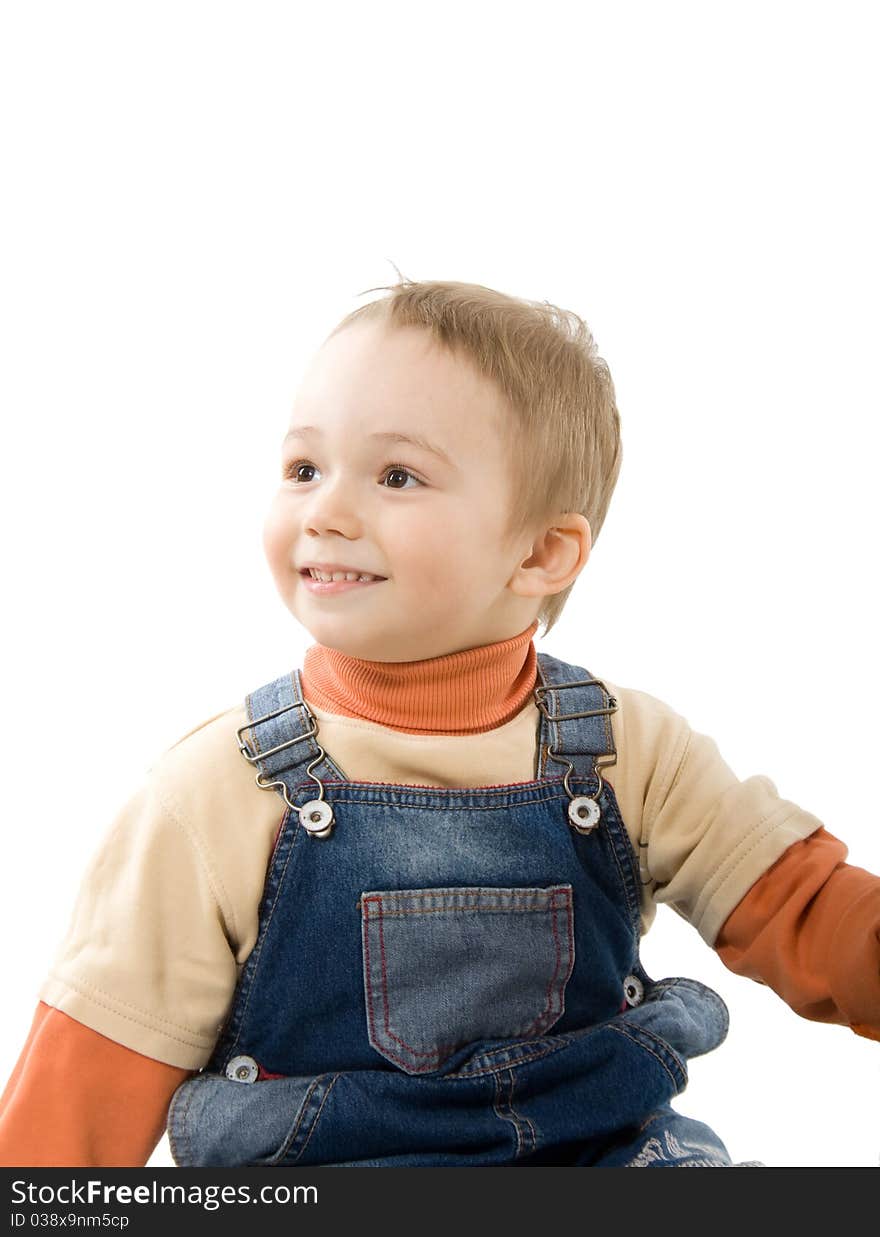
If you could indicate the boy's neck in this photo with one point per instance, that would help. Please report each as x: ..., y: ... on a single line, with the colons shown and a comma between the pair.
x: 460, y: 693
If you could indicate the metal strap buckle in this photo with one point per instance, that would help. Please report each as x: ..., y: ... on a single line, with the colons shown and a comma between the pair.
x: 583, y: 810
x: 316, y: 809
x: 541, y: 691
x: 249, y: 755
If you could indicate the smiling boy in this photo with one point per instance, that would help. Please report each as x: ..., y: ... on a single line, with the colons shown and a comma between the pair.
x: 421, y: 945
x: 396, y: 463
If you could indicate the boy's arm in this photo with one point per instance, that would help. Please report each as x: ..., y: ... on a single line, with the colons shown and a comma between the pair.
x: 809, y: 928
x: 761, y: 879
x: 134, y: 999
x: 77, y: 1098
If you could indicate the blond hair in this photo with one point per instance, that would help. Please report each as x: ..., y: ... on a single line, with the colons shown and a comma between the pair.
x: 564, y: 452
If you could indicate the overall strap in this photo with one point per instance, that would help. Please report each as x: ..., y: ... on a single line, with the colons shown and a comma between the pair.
x: 576, y: 713
x: 280, y: 736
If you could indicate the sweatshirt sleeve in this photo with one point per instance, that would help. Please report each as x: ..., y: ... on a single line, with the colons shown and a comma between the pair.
x: 809, y: 928
x: 78, y: 1099
x: 165, y: 917
x: 148, y: 960
x: 706, y: 835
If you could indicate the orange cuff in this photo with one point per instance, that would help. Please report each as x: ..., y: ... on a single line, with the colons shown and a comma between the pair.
x: 76, y: 1098
x: 810, y: 929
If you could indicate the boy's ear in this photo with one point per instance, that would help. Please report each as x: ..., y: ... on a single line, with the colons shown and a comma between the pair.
x: 558, y: 554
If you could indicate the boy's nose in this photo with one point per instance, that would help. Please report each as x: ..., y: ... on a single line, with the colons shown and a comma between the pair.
x: 333, y: 516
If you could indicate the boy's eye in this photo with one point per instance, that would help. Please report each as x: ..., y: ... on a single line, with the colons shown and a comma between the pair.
x: 398, y: 469
x: 294, y: 472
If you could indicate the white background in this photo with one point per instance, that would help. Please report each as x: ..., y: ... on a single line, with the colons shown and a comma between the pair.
x: 196, y: 193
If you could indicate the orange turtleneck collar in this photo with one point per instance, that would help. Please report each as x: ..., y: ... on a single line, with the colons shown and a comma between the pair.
x: 459, y: 693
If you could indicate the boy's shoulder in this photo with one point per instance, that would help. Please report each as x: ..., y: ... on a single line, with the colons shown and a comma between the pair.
x: 650, y: 739
x: 643, y: 722
x: 212, y: 732
x: 637, y: 710
x: 203, y: 772
x: 212, y: 738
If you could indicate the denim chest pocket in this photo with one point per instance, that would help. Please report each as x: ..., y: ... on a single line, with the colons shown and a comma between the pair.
x: 446, y: 967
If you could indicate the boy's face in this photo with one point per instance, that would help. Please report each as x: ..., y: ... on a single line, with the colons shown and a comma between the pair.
x: 434, y: 527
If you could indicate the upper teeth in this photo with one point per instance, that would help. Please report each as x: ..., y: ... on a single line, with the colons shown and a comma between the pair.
x: 327, y: 576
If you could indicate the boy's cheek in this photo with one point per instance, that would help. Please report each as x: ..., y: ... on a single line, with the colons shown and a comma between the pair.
x: 276, y: 544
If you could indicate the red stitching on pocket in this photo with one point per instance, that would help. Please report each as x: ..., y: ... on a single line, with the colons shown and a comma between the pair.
x: 431, y: 1056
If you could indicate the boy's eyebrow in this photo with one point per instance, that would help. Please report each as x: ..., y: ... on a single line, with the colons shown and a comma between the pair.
x: 390, y: 436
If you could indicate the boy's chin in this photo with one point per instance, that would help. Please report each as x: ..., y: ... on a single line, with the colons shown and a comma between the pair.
x: 338, y: 635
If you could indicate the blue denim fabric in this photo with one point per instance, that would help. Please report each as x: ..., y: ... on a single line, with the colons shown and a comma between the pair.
x: 451, y: 976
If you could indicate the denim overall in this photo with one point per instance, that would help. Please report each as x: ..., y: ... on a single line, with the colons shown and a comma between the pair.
x: 448, y: 976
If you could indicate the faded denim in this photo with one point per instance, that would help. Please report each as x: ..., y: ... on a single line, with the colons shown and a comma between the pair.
x: 451, y: 977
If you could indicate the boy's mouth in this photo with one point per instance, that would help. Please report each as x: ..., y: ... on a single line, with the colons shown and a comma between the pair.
x: 338, y: 574
x: 322, y: 587
x: 336, y: 578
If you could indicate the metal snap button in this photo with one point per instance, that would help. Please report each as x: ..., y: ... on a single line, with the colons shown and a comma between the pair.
x: 242, y: 1069
x: 583, y: 814
x: 633, y: 990
x: 316, y: 817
